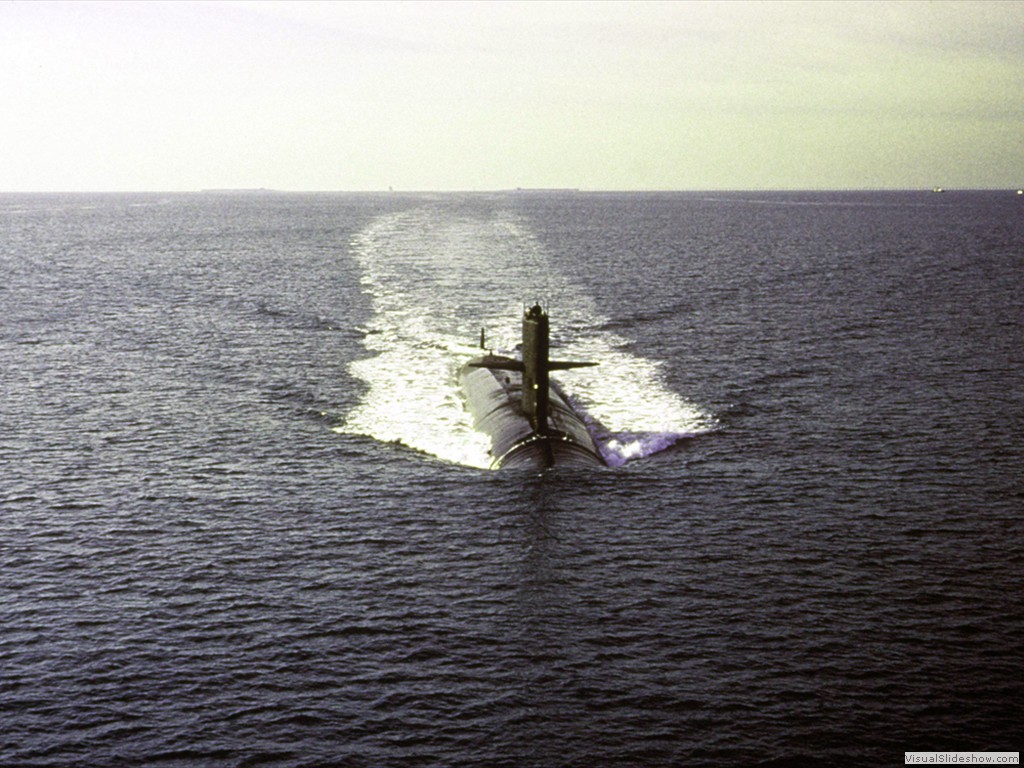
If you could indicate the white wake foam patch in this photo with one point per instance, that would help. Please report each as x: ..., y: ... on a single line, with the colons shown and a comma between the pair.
x: 412, y: 401
x: 435, y: 276
x: 632, y: 411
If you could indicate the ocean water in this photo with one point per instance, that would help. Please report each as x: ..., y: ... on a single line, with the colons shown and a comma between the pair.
x: 244, y: 518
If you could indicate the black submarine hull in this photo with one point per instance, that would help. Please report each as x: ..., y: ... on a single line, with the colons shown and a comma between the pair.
x: 493, y: 395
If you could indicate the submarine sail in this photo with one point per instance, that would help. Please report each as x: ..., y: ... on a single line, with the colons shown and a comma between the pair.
x: 529, y: 422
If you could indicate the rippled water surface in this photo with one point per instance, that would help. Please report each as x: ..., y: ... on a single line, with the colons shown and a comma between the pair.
x: 244, y: 520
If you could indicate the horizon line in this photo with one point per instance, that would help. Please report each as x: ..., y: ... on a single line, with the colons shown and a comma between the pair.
x: 501, y: 190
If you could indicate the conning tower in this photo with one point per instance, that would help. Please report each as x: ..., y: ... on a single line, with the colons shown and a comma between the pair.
x: 512, y: 401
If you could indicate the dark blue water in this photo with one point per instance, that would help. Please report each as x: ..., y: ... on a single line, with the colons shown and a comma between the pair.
x: 243, y: 523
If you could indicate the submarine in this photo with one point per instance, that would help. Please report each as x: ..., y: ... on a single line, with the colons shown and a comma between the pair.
x: 512, y: 401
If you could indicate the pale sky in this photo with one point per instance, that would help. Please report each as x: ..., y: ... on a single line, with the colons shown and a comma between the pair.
x: 484, y: 95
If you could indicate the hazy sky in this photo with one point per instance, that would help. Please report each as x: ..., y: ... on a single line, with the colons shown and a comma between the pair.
x: 492, y: 95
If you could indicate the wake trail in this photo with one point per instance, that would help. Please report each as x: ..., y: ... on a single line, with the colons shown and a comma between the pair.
x: 435, y: 276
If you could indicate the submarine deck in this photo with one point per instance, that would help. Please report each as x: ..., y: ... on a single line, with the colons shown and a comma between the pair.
x: 494, y: 398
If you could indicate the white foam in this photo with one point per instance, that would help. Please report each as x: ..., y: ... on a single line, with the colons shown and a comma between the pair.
x: 435, y: 276
x: 633, y: 412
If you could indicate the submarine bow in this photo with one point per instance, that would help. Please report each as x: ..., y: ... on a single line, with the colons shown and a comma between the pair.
x: 528, y: 420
